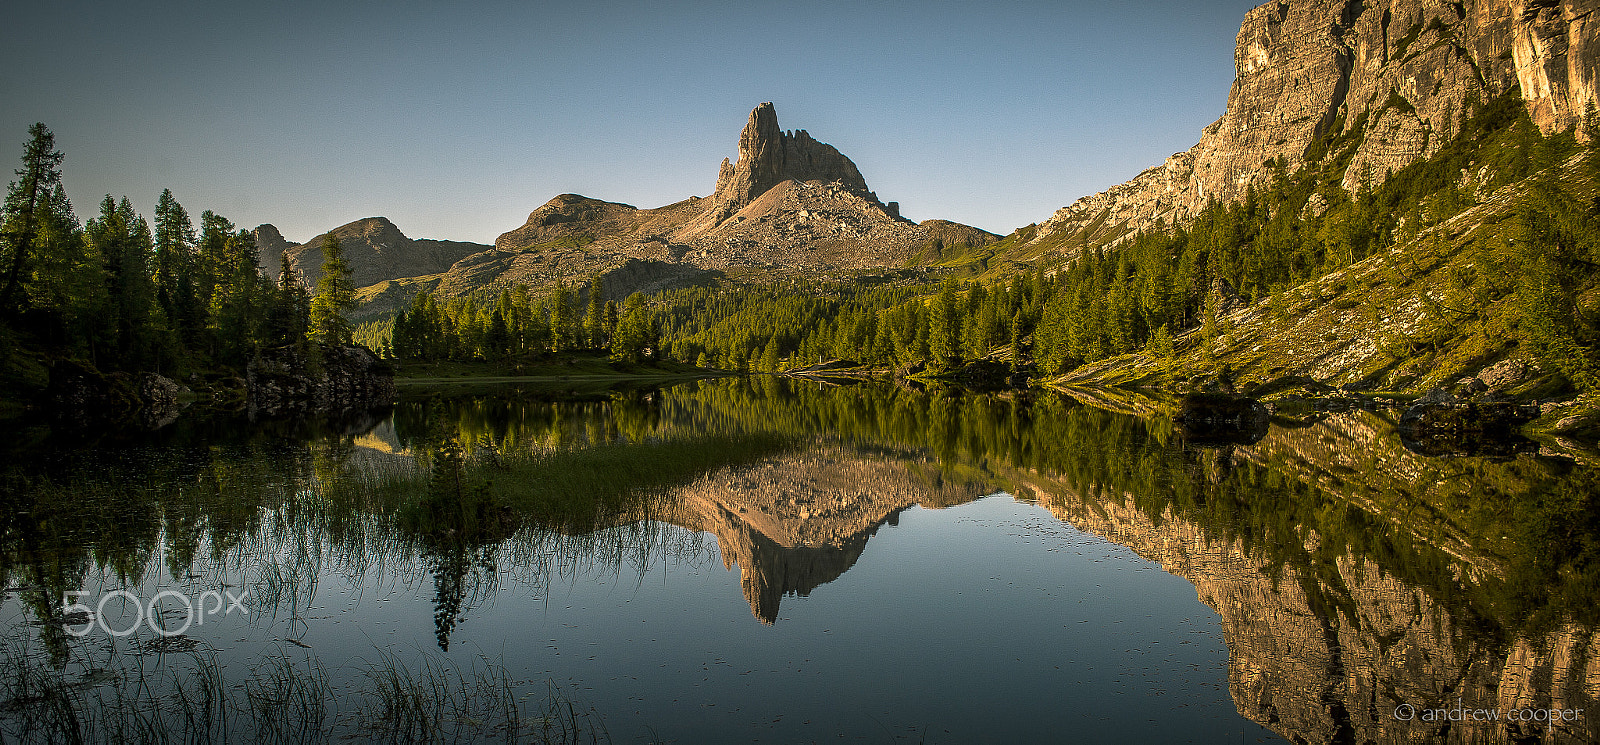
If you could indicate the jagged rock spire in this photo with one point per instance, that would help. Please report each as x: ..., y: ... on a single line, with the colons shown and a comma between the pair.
x: 768, y: 156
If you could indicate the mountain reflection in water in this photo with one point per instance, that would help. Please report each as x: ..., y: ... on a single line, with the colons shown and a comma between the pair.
x: 1353, y: 577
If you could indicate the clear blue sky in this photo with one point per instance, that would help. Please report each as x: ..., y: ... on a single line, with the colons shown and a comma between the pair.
x: 456, y: 120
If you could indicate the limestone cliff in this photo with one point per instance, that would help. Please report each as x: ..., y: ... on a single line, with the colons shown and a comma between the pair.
x: 769, y: 156
x: 1402, y: 73
x: 270, y: 245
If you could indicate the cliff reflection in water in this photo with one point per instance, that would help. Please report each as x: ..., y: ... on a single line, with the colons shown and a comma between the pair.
x: 795, y: 522
x: 1352, y: 576
x: 1355, y: 578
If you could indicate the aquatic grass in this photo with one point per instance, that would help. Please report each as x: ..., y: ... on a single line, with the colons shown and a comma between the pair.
x: 436, y: 704
x: 289, y: 703
x: 284, y: 699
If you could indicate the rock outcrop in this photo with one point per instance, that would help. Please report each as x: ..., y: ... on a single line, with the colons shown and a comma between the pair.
x: 286, y: 380
x: 1557, y: 51
x: 270, y: 245
x: 1402, y: 72
x: 80, y: 395
x: 769, y: 156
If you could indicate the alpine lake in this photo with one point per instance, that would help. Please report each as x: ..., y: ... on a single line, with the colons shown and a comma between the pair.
x: 780, y: 561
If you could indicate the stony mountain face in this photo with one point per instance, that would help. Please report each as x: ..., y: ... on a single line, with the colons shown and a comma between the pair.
x: 270, y: 245
x: 1405, y: 71
x: 1351, y: 327
x: 790, y: 206
x: 769, y: 156
x: 376, y: 249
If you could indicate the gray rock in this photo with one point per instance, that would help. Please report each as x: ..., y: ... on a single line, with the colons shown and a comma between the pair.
x: 1470, y: 387
x: 1436, y: 396
x: 1506, y: 374
x: 769, y: 156
x: 80, y: 394
x: 287, y: 380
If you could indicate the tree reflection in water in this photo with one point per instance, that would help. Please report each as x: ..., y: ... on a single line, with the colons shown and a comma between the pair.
x: 1352, y: 574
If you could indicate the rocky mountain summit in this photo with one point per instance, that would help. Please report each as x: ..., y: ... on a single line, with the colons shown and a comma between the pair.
x: 1400, y: 74
x: 789, y: 206
x: 375, y: 248
x: 769, y: 157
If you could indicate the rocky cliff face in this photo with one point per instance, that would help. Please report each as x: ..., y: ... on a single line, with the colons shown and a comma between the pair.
x: 1405, y: 72
x: 769, y: 156
x: 285, y: 381
x: 1556, y: 46
x: 270, y: 245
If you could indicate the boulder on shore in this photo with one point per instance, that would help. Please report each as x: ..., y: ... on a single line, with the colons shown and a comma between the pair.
x: 1440, y: 423
x: 1225, y: 418
x: 289, y: 380
x: 80, y: 393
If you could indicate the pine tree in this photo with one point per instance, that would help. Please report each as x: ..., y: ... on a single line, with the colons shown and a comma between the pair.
x: 561, y: 319
x: 769, y: 356
x: 496, y: 337
x: 213, y: 263
x: 594, y: 322
x: 634, y: 333
x: 289, y: 318
x: 122, y: 240
x: 944, y: 332
x: 238, y: 307
x: 336, y: 295
x: 29, y: 198
x: 64, y: 287
x: 175, y: 242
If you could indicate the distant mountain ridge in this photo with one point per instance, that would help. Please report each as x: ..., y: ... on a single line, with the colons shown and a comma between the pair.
x: 789, y: 206
x: 376, y: 249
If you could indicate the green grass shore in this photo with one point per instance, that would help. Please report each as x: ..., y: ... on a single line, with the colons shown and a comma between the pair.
x: 574, y: 367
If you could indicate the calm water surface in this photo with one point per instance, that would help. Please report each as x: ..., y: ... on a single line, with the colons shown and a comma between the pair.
x: 764, y: 561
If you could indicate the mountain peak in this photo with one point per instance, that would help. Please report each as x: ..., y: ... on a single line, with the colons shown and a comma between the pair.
x: 769, y: 156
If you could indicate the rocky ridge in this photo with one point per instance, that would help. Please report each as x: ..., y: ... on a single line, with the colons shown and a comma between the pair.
x: 1405, y: 72
x: 376, y: 249
x: 789, y: 207
x: 1381, y: 324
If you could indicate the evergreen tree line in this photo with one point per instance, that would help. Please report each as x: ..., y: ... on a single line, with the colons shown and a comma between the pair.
x: 1161, y: 283
x: 516, y: 326
x: 774, y: 328
x: 122, y: 296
